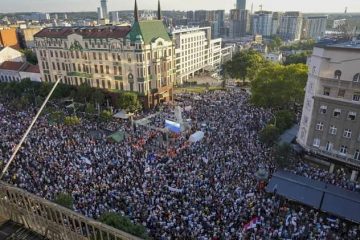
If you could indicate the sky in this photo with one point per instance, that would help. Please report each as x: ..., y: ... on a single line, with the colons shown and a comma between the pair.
x: 113, y: 5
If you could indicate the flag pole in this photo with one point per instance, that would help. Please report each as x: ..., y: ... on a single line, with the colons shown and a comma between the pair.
x: 29, y: 129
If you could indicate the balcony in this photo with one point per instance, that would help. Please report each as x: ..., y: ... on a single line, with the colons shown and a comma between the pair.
x: 79, y: 74
x: 347, y: 159
x: 119, y: 78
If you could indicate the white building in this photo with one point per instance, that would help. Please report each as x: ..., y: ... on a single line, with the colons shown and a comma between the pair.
x: 329, y: 127
x: 291, y: 26
x: 315, y: 27
x: 276, y: 57
x: 10, y: 54
x: 195, y: 52
x: 16, y: 71
x: 262, y: 23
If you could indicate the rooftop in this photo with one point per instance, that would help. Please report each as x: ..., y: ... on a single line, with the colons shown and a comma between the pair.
x: 353, y: 45
x: 86, y: 32
x: 19, y: 66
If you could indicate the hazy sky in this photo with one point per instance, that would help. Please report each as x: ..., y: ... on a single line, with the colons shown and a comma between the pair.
x: 91, y: 5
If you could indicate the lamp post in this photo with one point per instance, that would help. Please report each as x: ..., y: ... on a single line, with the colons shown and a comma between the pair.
x: 29, y: 129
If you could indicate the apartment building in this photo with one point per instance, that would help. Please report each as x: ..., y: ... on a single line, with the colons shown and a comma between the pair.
x: 239, y: 24
x: 262, y: 23
x: 314, y: 27
x: 8, y: 38
x: 137, y: 58
x: 290, y: 28
x: 195, y: 52
x: 330, y: 124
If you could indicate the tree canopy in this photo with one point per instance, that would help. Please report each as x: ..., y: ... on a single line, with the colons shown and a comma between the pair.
x: 64, y: 200
x: 123, y: 223
x: 129, y: 101
x: 30, y: 56
x: 280, y: 87
x: 297, y: 58
x: 244, y: 65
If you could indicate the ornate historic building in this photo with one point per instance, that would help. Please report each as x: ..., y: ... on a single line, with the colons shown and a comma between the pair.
x: 137, y: 58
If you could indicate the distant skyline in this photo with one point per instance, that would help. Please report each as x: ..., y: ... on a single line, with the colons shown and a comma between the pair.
x: 8, y: 6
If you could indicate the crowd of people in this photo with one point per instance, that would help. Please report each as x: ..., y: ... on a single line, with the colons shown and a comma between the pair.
x: 176, y: 189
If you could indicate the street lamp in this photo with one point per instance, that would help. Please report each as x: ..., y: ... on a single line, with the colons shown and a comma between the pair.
x: 29, y: 129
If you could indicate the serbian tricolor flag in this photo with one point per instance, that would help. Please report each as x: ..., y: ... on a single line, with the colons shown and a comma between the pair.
x: 252, y: 224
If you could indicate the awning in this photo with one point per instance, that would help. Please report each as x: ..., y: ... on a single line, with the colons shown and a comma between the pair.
x: 118, y: 136
x: 122, y: 115
x: 320, y: 195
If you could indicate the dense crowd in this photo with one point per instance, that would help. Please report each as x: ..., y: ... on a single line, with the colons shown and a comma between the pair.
x: 177, y: 189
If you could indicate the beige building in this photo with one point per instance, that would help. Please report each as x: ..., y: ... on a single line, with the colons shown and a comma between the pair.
x: 137, y: 58
x: 330, y: 124
x: 195, y: 52
x: 26, y: 36
x: 10, y: 54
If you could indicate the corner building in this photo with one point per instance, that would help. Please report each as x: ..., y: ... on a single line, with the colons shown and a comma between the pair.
x: 137, y: 58
x: 330, y: 124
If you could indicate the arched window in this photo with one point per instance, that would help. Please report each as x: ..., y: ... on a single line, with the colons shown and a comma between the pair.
x: 337, y: 74
x: 357, y: 77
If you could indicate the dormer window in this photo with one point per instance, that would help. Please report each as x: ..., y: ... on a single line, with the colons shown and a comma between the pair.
x: 356, y: 77
x: 337, y: 74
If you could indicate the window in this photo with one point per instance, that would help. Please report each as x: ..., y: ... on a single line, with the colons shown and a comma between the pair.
x: 337, y: 74
x: 337, y: 113
x: 357, y: 155
x: 323, y: 109
x: 356, y: 96
x: 326, y: 91
x: 347, y: 133
x: 352, y: 116
x: 341, y: 93
x: 356, y: 77
x: 332, y: 130
x: 329, y: 146
x: 107, y: 70
x: 316, y: 142
x: 343, y: 150
x: 320, y: 126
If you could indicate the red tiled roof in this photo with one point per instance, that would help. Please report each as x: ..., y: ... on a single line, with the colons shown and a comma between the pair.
x: 86, y: 32
x: 14, y: 66
x: 32, y: 69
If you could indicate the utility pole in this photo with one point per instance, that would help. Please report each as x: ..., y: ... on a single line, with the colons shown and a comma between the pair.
x: 29, y: 129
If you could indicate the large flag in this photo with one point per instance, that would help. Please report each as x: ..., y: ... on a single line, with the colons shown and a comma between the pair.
x: 252, y: 224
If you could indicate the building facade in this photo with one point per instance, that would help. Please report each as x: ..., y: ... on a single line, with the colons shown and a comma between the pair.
x: 137, y: 58
x: 17, y: 71
x: 314, y: 27
x: 195, y: 52
x: 239, y: 24
x: 290, y: 28
x: 262, y: 23
x: 330, y: 124
x: 26, y: 37
x: 241, y: 4
x: 8, y: 38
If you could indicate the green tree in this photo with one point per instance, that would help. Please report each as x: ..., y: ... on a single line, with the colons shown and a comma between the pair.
x: 129, y: 101
x: 284, y: 120
x: 279, y: 87
x: 123, y: 223
x: 105, y: 116
x: 30, y: 56
x: 72, y: 120
x: 65, y: 200
x: 269, y: 135
x: 283, y: 155
x: 297, y: 58
x: 275, y: 43
x: 90, y: 109
x: 83, y: 93
x: 244, y: 65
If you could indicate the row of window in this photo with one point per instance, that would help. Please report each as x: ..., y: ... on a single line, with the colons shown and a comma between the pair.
x: 330, y: 148
x: 341, y: 94
x: 333, y: 130
x: 338, y: 73
x: 337, y: 113
x: 6, y: 78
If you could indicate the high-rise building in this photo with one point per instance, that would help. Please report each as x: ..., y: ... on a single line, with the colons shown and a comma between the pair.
x: 201, y: 17
x: 239, y: 24
x: 217, y: 23
x: 330, y: 124
x: 314, y: 27
x: 195, y: 51
x: 99, y: 14
x: 104, y: 9
x: 190, y: 16
x: 262, y: 23
x: 276, y: 18
x: 290, y: 28
x: 241, y: 4
x: 115, y: 17
x: 138, y: 58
